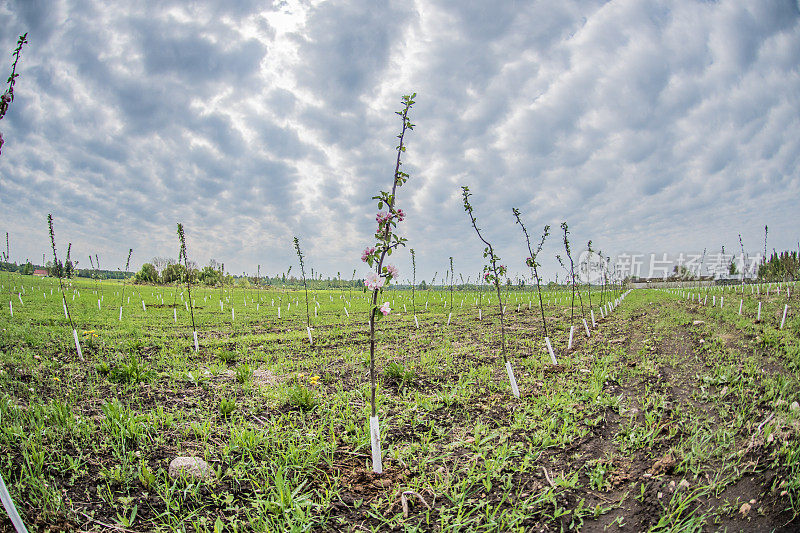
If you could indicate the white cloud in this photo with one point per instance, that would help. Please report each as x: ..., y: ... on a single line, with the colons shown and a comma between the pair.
x: 663, y: 126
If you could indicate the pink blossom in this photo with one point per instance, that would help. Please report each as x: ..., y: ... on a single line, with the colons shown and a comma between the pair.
x: 382, y: 216
x: 400, y: 215
x: 391, y: 269
x: 368, y: 251
x: 385, y: 309
x: 374, y: 281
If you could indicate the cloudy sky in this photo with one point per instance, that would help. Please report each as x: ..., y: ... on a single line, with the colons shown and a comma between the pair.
x: 649, y: 126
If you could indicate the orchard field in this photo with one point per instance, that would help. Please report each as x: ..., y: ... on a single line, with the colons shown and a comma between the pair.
x: 677, y: 413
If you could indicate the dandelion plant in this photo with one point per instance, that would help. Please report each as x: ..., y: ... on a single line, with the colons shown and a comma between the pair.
x: 182, y: 255
x: 374, y: 256
x: 491, y: 274
x: 61, y: 285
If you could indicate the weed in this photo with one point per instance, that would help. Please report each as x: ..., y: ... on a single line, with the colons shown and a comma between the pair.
x: 244, y: 373
x: 226, y: 407
x: 397, y: 373
x: 300, y: 396
x: 226, y: 356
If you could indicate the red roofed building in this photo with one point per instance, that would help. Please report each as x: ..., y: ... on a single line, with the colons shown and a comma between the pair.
x: 40, y: 272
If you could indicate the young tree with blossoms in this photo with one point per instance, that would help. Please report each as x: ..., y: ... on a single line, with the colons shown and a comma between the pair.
x: 5, y: 101
x: 491, y: 274
x: 8, y: 95
x: 386, y: 240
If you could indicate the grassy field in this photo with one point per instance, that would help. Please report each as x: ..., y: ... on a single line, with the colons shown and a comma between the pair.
x: 673, y: 416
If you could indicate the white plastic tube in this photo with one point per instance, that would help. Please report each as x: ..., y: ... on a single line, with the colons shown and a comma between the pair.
x: 375, y: 440
x: 77, y: 344
x: 8, y: 503
x: 512, y: 379
x: 416, y: 322
x: 569, y: 344
x: 785, y: 310
x: 550, y: 349
x: 586, y: 327
x: 196, y: 344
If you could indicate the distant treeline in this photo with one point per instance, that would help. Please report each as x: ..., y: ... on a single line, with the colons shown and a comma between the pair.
x: 781, y: 266
x: 29, y: 268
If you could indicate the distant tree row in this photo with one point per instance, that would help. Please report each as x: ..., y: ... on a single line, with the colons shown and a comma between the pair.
x: 781, y: 266
x: 26, y: 269
x: 63, y: 269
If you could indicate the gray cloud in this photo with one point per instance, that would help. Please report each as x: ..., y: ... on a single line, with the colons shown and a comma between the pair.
x: 667, y: 127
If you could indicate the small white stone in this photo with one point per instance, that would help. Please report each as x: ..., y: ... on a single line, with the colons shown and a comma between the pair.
x: 190, y: 467
x: 795, y: 406
x: 744, y: 509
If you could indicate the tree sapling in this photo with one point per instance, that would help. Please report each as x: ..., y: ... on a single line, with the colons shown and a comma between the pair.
x: 492, y: 273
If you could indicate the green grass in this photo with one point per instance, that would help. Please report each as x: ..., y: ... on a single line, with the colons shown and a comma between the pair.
x: 284, y: 424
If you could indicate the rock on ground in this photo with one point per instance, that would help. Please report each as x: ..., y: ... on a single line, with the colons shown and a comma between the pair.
x: 191, y: 467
